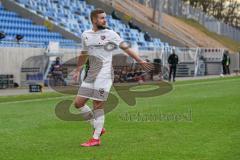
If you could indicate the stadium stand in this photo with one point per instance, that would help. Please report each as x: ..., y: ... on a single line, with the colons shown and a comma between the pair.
x: 74, y: 17
x: 12, y: 24
x: 172, y: 27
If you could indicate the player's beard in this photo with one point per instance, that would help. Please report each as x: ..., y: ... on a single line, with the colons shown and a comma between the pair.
x: 101, y: 27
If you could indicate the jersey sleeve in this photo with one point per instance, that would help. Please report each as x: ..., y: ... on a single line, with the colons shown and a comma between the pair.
x: 83, y: 39
x: 116, y: 38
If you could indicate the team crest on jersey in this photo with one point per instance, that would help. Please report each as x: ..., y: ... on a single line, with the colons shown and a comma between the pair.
x: 101, y: 91
x: 103, y: 37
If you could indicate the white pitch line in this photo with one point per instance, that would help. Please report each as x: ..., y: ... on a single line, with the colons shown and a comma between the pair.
x: 35, y: 100
x: 210, y: 82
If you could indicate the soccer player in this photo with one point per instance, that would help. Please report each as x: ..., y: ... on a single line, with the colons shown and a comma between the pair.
x: 98, y: 45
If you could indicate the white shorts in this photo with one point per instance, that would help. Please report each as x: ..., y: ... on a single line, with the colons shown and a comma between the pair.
x: 97, y: 90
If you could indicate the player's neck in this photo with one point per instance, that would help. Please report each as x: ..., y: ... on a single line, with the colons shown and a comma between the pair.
x: 95, y: 29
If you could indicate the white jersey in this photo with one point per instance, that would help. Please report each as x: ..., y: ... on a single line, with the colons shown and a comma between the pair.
x: 100, y: 59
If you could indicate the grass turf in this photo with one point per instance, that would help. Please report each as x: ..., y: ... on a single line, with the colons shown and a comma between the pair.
x: 29, y: 128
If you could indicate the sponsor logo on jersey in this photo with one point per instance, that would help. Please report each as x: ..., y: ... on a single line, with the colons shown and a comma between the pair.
x: 103, y: 37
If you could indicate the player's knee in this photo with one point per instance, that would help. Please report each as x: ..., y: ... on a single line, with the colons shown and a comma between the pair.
x: 78, y: 104
x: 98, y: 105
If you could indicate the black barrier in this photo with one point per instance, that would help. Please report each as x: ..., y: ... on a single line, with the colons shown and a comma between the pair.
x: 35, y: 88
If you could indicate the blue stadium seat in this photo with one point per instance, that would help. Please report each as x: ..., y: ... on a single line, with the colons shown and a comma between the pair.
x: 11, y: 24
x: 76, y: 14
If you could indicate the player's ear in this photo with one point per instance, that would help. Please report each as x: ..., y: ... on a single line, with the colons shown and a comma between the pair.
x: 94, y: 20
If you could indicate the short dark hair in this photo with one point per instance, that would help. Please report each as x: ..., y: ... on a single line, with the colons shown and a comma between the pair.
x: 95, y: 12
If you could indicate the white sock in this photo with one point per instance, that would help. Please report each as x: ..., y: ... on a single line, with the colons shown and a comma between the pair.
x: 98, y: 122
x: 87, y: 114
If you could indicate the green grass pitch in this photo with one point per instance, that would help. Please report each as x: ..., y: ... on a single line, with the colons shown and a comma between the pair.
x: 30, y: 130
